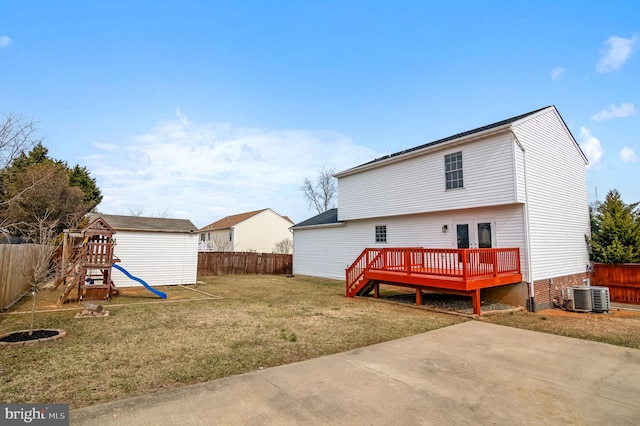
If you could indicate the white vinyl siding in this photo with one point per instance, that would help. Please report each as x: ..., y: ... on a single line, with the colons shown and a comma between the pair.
x: 557, y: 196
x: 545, y: 186
x: 217, y: 240
x: 417, y: 185
x: 521, y: 195
x: 158, y: 258
x: 328, y: 251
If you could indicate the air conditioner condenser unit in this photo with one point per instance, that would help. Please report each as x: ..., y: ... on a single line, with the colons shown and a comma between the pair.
x: 601, y: 301
x: 579, y: 299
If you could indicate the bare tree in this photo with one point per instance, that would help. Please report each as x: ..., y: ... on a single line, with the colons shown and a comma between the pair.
x: 221, y: 242
x: 322, y: 194
x: 135, y: 211
x: 284, y: 246
x: 17, y: 135
x: 42, y: 196
x: 139, y: 212
x: 40, y: 270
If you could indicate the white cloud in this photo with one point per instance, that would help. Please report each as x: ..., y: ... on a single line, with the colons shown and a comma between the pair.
x: 627, y: 155
x: 182, y: 117
x: 612, y: 111
x: 592, y: 148
x: 557, y: 73
x: 5, y: 41
x: 204, y: 171
x: 105, y: 146
x: 616, y: 51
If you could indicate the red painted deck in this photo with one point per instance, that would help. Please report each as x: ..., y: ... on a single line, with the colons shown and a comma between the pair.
x: 459, y: 271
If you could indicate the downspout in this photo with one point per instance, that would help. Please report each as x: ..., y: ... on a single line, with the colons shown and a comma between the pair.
x: 526, y: 225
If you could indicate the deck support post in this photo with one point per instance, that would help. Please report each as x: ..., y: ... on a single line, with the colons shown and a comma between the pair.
x: 418, y: 297
x: 376, y: 290
x: 475, y: 300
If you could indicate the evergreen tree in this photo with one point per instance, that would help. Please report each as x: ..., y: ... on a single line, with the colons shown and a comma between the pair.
x: 43, y: 202
x: 80, y: 178
x: 78, y: 175
x: 615, y: 231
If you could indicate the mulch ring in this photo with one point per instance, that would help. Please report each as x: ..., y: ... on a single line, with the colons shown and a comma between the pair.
x: 450, y: 303
x: 25, y: 337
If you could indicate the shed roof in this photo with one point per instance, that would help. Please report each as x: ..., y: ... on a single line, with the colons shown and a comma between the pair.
x: 233, y: 220
x: 147, y: 224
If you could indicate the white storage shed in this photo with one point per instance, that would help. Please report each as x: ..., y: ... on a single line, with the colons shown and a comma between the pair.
x: 159, y: 251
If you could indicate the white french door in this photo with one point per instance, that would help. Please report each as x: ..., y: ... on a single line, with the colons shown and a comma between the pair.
x: 474, y: 234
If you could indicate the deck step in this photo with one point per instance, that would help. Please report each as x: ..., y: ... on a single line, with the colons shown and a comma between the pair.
x: 365, y: 289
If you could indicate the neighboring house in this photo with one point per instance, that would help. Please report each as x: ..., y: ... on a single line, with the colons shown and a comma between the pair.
x: 256, y: 231
x: 518, y: 183
x: 159, y: 251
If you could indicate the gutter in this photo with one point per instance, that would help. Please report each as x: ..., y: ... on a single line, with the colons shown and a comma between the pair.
x: 321, y: 225
x: 526, y: 223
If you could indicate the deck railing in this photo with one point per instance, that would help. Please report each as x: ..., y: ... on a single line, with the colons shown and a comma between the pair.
x: 459, y: 263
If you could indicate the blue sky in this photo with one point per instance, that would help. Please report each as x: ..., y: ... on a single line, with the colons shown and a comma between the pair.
x: 200, y: 109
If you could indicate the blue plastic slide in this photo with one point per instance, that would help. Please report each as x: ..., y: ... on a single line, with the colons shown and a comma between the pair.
x: 151, y: 289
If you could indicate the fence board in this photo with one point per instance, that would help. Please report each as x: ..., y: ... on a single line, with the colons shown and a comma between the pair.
x: 623, y: 281
x: 16, y: 260
x: 236, y: 263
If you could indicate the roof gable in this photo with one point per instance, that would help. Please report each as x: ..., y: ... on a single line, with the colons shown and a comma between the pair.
x: 99, y: 226
x: 233, y: 220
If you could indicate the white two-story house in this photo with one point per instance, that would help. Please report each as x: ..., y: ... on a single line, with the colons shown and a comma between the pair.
x: 255, y: 231
x: 518, y: 183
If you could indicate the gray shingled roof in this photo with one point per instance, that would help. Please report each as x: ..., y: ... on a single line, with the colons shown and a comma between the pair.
x: 148, y: 224
x: 326, y: 218
x: 450, y: 138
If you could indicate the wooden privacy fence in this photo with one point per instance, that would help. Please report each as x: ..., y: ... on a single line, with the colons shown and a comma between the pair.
x: 623, y: 281
x: 16, y: 261
x: 240, y: 263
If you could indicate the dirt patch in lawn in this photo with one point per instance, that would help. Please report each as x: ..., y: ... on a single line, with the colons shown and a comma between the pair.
x: 440, y: 302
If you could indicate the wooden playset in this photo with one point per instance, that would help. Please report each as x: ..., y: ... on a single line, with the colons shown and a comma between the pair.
x: 87, y: 258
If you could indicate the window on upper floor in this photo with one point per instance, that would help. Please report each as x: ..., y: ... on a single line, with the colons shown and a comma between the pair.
x: 381, y: 233
x: 453, y: 170
x: 231, y: 235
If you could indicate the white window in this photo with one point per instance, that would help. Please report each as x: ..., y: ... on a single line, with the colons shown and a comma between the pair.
x: 453, y: 170
x: 381, y: 233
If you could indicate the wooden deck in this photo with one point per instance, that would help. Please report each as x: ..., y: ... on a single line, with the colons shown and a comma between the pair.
x: 458, y: 271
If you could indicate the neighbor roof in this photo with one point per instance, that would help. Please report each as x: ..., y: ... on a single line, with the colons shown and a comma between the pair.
x: 447, y: 139
x: 327, y: 218
x: 229, y: 221
x: 149, y: 224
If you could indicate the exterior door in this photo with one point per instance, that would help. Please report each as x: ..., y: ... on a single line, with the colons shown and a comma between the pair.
x: 474, y: 234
